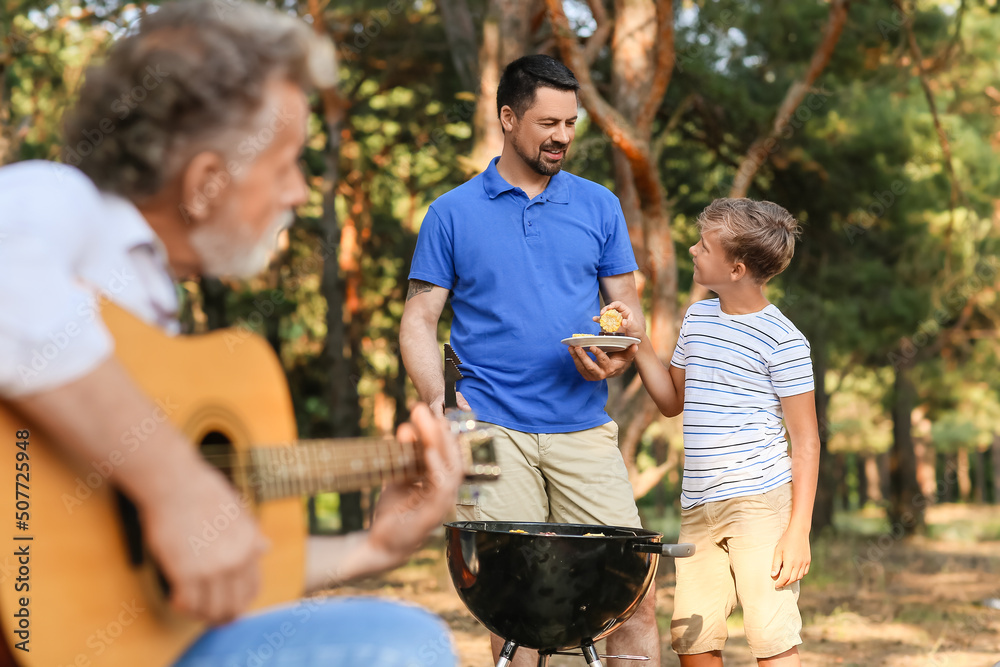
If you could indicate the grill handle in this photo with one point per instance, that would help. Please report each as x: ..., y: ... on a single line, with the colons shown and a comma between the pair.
x: 672, y: 550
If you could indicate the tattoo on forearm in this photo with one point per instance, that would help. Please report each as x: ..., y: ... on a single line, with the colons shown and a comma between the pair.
x: 418, y: 287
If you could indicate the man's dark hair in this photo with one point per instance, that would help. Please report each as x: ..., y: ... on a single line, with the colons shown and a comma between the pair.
x: 524, y: 76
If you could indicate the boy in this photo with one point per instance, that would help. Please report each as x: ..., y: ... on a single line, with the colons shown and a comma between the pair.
x: 739, y: 368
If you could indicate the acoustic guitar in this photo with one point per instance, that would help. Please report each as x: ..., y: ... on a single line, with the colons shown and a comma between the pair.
x: 77, y: 588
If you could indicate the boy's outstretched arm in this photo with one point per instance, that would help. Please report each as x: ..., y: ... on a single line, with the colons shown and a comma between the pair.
x: 665, y: 384
x: 792, y: 555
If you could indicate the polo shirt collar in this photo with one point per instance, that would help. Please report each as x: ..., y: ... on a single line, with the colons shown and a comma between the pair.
x: 493, y: 182
x: 556, y: 191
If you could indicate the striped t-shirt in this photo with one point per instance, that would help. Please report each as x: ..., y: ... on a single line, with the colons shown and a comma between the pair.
x: 736, y: 368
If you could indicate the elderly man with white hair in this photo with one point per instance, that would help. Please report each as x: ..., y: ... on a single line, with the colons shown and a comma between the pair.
x: 182, y: 160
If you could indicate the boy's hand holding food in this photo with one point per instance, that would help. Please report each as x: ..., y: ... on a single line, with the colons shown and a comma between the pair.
x: 627, y: 326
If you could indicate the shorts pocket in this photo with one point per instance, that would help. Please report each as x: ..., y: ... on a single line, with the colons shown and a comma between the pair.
x: 779, y: 499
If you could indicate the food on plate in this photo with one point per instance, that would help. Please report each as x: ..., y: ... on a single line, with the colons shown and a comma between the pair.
x: 581, y: 335
x: 611, y: 321
x: 517, y: 531
x: 594, y: 535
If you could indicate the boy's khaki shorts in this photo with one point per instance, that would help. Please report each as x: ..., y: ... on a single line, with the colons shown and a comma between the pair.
x: 735, y: 541
x: 577, y: 477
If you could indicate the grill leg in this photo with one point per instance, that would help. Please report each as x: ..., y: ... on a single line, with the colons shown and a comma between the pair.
x: 590, y: 653
x: 507, y: 653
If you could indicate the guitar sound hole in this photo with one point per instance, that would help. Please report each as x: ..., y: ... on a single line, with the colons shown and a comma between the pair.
x: 217, y: 448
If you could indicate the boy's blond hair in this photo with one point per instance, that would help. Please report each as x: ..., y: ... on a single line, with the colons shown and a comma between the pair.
x: 760, y: 234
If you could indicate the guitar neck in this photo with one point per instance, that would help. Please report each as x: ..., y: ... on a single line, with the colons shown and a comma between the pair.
x: 343, y: 464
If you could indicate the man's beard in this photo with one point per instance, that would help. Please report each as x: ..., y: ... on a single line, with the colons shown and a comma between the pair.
x: 539, y: 162
x: 234, y: 254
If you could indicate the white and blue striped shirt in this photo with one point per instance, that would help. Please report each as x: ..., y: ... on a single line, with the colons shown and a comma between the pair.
x: 736, y: 370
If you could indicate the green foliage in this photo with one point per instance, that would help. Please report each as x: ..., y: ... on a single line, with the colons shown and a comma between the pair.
x: 892, y: 259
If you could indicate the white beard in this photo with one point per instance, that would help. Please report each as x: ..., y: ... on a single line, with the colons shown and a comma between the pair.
x: 226, y: 253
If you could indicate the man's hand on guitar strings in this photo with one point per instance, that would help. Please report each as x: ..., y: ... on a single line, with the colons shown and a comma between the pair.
x: 213, y: 575
x: 408, y: 511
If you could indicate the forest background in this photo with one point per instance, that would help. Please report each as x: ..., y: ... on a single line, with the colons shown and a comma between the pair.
x: 877, y: 124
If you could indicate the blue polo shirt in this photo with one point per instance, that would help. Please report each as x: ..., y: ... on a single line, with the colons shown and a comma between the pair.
x: 524, y: 275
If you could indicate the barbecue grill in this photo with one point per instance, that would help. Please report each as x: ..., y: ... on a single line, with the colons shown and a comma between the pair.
x: 553, y: 587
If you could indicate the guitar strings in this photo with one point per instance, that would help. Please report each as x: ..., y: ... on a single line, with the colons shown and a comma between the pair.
x: 324, y: 455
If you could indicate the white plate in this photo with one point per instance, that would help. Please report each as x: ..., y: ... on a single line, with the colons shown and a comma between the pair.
x: 606, y: 343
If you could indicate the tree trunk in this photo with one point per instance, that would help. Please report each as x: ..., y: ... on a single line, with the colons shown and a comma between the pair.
x: 944, y: 474
x: 506, y: 36
x: 642, y: 64
x: 398, y: 384
x: 924, y: 453
x: 213, y: 302
x: 828, y: 478
x: 843, y: 500
x: 341, y: 392
x: 874, y: 478
x: 767, y: 143
x: 906, y: 504
x: 461, y: 34
x: 996, y: 467
x: 629, y: 197
x: 964, y: 478
x: 882, y: 464
x: 980, y: 486
x: 660, y: 448
x: 272, y: 317
x: 861, y: 470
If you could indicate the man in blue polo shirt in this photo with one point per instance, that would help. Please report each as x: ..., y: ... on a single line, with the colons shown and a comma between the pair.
x: 525, y: 250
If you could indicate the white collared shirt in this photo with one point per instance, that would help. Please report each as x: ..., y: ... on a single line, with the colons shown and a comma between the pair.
x: 65, y: 246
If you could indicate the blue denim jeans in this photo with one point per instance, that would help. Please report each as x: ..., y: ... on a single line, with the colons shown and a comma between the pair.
x: 327, y: 632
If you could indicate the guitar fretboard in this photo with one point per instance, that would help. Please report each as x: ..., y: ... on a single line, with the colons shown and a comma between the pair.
x: 316, y: 466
